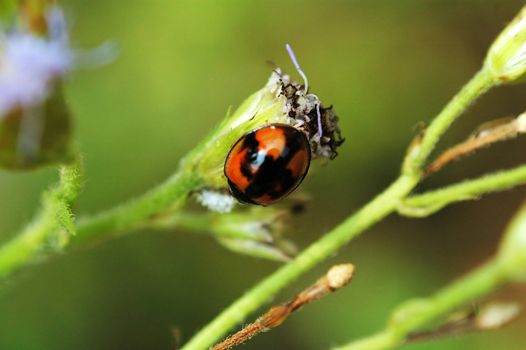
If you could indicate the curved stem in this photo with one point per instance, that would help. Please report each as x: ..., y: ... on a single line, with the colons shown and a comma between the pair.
x: 51, y: 228
x: 508, y: 265
x: 167, y: 197
x: 469, y: 189
x: 412, y: 317
x: 374, y: 211
x: 476, y: 87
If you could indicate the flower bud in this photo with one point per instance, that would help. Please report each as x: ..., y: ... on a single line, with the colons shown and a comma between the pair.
x: 506, y: 58
x: 255, y: 231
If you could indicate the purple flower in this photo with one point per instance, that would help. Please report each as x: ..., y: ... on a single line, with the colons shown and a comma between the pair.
x: 28, y: 67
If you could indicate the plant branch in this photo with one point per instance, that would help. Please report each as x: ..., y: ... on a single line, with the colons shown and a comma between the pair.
x: 413, y: 315
x: 52, y: 227
x: 374, y: 211
x: 427, y: 203
x: 483, y: 138
x: 508, y: 265
x: 337, y: 277
x: 167, y: 198
x: 476, y: 87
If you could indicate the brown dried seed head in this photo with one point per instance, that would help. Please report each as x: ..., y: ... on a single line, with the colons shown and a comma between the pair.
x: 339, y: 275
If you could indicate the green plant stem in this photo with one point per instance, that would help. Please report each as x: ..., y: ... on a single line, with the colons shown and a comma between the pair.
x: 374, y: 211
x: 52, y: 227
x: 508, y: 265
x: 198, y: 222
x: 167, y: 198
x: 411, y: 317
x: 476, y: 87
x: 432, y: 201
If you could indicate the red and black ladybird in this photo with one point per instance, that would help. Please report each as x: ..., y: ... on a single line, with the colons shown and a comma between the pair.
x: 267, y: 164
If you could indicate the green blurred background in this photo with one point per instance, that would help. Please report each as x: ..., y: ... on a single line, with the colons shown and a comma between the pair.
x: 385, y: 65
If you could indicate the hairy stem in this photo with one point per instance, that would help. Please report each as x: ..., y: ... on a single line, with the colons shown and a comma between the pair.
x: 52, y: 227
x: 167, y: 197
x: 374, y: 211
x: 337, y: 277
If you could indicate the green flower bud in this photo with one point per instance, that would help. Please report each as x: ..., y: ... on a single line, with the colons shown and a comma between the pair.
x: 262, y: 107
x: 506, y: 58
x: 281, y: 101
x: 255, y: 231
x: 512, y: 252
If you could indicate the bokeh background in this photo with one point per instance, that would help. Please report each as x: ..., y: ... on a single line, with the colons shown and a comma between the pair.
x: 385, y: 65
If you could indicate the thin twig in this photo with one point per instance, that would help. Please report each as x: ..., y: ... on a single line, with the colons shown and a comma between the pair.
x: 485, y: 137
x: 337, y: 277
x: 377, y: 209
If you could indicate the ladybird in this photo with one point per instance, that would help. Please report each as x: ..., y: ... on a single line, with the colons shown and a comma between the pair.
x: 267, y: 164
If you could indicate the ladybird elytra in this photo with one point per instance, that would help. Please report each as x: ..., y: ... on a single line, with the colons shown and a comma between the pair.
x: 267, y: 164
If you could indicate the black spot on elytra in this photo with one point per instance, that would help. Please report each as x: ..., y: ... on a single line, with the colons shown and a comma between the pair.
x: 272, y: 178
x: 251, y: 145
x: 241, y: 196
